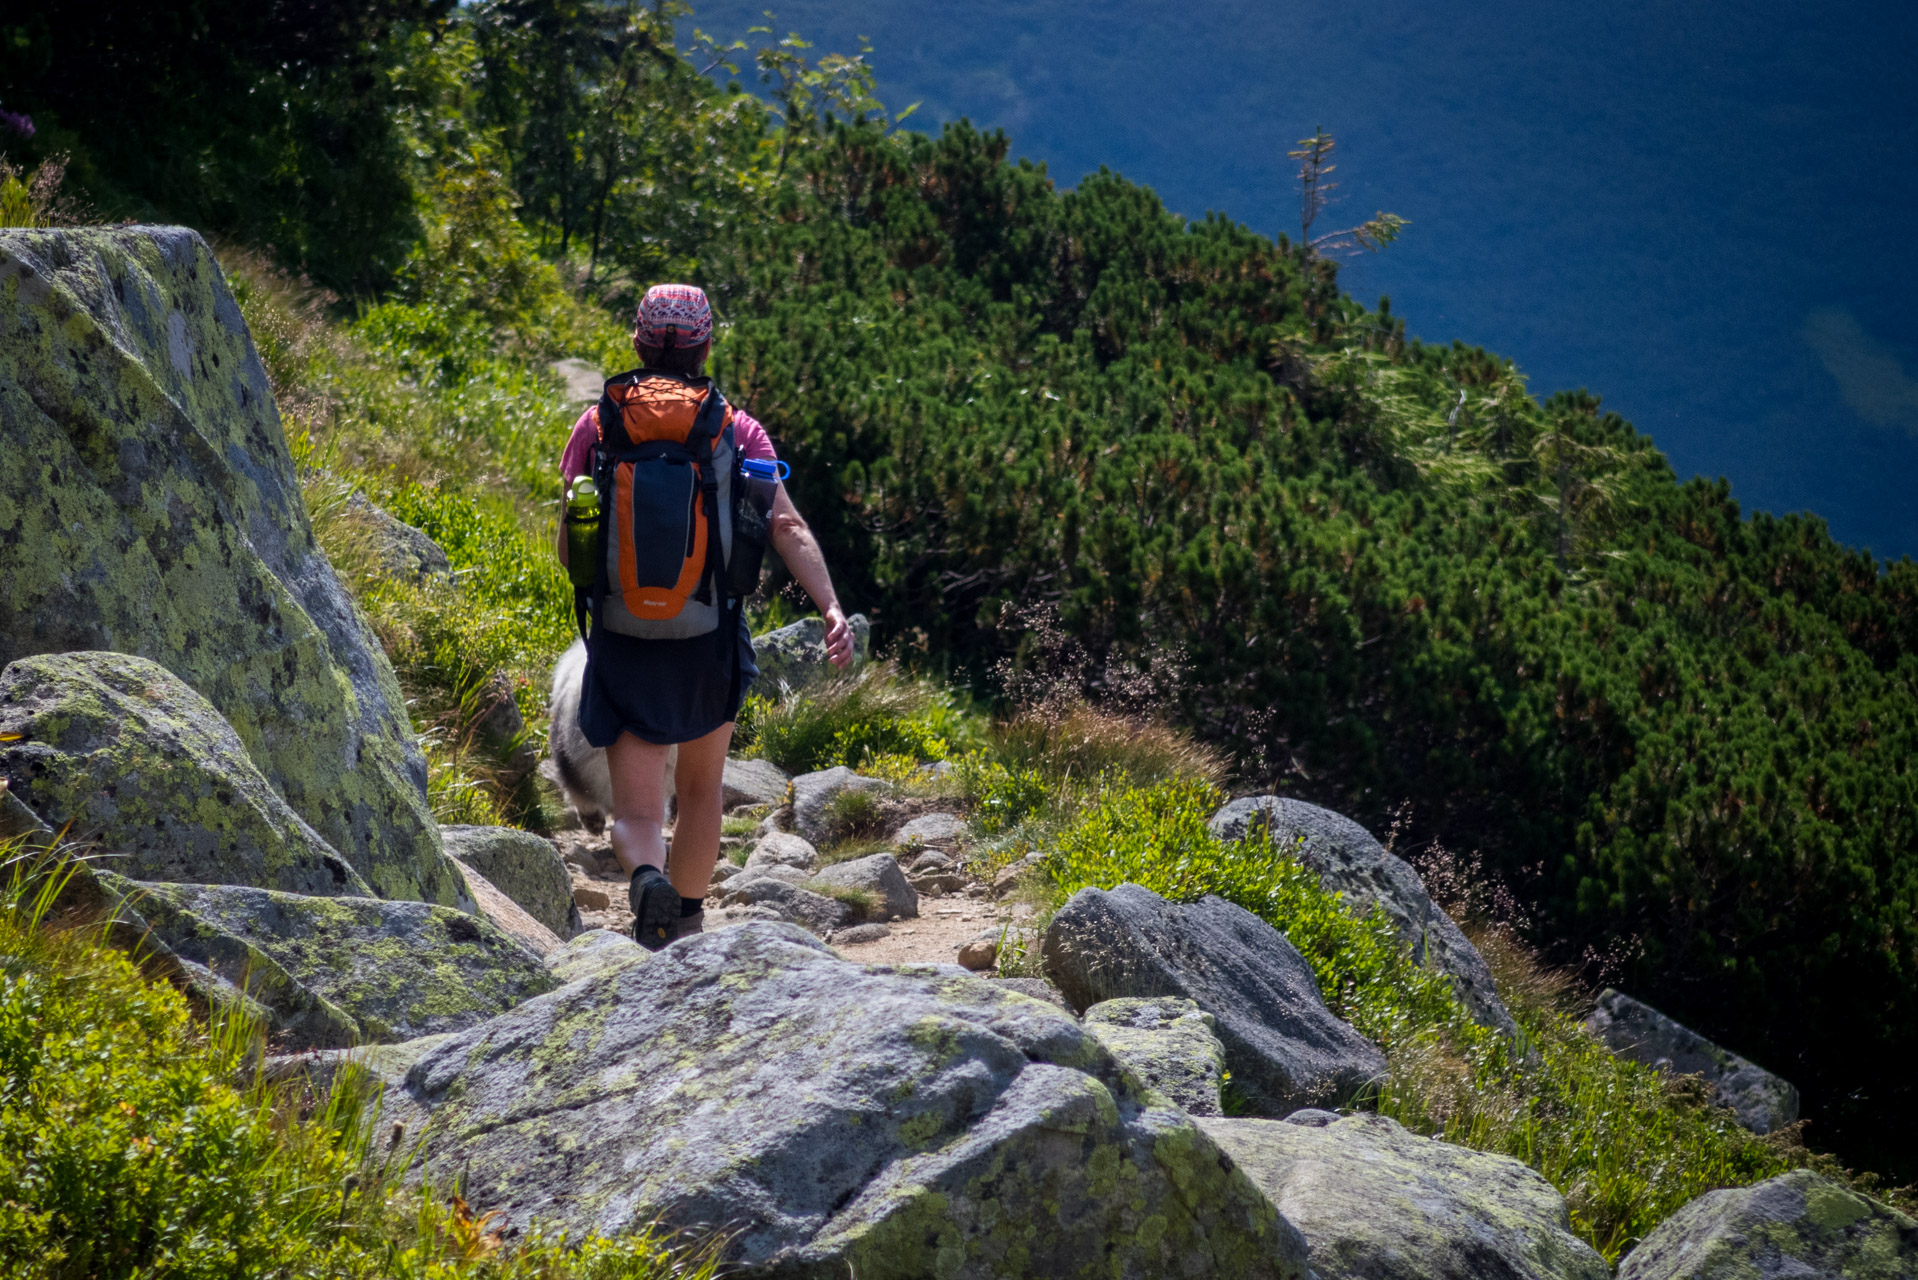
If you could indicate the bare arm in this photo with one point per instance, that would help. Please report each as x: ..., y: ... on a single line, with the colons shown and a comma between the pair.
x: 793, y: 540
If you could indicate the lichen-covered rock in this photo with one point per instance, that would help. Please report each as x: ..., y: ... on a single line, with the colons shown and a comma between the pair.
x: 507, y: 914
x: 893, y: 896
x: 836, y: 1118
x: 1353, y: 864
x: 593, y: 954
x: 395, y: 970
x: 148, y: 505
x: 762, y: 896
x: 1378, y: 1203
x: 1169, y: 1043
x: 795, y: 656
x: 126, y: 755
x: 752, y: 782
x: 1797, y: 1226
x: 782, y: 849
x: 1762, y: 1101
x: 525, y: 867
x: 1283, y: 1046
x: 813, y: 794
x: 383, y: 1066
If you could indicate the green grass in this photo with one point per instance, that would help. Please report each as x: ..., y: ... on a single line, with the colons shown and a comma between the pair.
x: 1624, y: 1145
x: 138, y: 1140
x: 878, y: 711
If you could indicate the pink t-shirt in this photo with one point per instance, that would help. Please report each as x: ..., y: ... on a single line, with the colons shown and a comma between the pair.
x: 748, y: 436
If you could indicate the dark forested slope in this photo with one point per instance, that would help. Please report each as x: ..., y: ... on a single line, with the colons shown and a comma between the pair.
x: 1390, y: 577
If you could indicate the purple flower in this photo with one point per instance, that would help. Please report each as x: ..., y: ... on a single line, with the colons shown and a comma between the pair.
x: 19, y: 123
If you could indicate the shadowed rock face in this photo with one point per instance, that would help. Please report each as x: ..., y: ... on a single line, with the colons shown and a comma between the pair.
x: 1283, y: 1046
x: 1351, y: 863
x: 1793, y: 1227
x: 120, y: 752
x: 390, y: 970
x: 1378, y: 1203
x: 841, y: 1119
x: 1762, y: 1101
x: 148, y: 505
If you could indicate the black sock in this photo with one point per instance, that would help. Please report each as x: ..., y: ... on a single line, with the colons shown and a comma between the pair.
x: 691, y: 907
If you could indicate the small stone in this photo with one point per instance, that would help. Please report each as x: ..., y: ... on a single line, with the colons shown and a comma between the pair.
x: 979, y: 955
x: 778, y: 820
x: 1312, y: 1117
x: 725, y: 871
x: 590, y: 899
x: 931, y: 828
x: 813, y: 793
x: 877, y: 874
x: 1008, y: 880
x: 860, y: 933
x: 783, y: 849
x: 931, y: 860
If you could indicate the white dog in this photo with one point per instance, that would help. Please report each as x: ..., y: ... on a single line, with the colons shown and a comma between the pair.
x: 583, y: 776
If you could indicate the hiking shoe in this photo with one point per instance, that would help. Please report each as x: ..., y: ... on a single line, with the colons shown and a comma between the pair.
x: 655, y: 908
x: 687, y: 926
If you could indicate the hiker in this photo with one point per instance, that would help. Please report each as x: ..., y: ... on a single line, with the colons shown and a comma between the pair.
x: 668, y: 654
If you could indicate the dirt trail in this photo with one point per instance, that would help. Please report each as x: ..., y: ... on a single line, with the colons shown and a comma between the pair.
x: 944, y: 924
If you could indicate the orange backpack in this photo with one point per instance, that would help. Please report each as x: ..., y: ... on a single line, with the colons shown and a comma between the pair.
x: 665, y: 468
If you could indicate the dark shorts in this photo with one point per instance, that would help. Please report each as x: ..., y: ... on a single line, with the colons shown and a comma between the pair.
x: 661, y: 691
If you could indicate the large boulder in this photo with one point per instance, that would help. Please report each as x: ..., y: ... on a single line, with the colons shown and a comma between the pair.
x: 525, y: 867
x: 878, y: 874
x: 1631, y: 1029
x: 833, y: 1118
x: 1378, y: 1203
x: 148, y: 505
x: 1283, y: 1046
x: 794, y: 657
x: 1356, y: 866
x: 813, y: 794
x: 1169, y: 1043
x: 1799, y: 1224
x: 392, y: 970
x: 122, y: 754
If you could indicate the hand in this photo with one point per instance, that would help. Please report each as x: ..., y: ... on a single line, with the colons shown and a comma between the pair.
x: 838, y: 639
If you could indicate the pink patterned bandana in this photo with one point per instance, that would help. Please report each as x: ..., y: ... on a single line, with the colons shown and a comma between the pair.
x: 674, y: 316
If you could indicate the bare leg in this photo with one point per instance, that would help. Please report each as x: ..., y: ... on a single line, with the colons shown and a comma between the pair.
x: 698, y: 778
x: 639, y: 802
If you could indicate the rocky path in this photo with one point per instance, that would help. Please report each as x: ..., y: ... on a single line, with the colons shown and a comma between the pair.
x: 943, y: 926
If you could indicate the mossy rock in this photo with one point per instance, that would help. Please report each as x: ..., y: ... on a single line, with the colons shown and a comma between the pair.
x: 1797, y: 1224
x: 1378, y: 1203
x: 396, y: 970
x: 832, y: 1118
x: 119, y: 752
x: 148, y: 505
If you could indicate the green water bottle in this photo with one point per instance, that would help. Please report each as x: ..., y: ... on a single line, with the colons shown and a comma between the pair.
x: 582, y: 531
